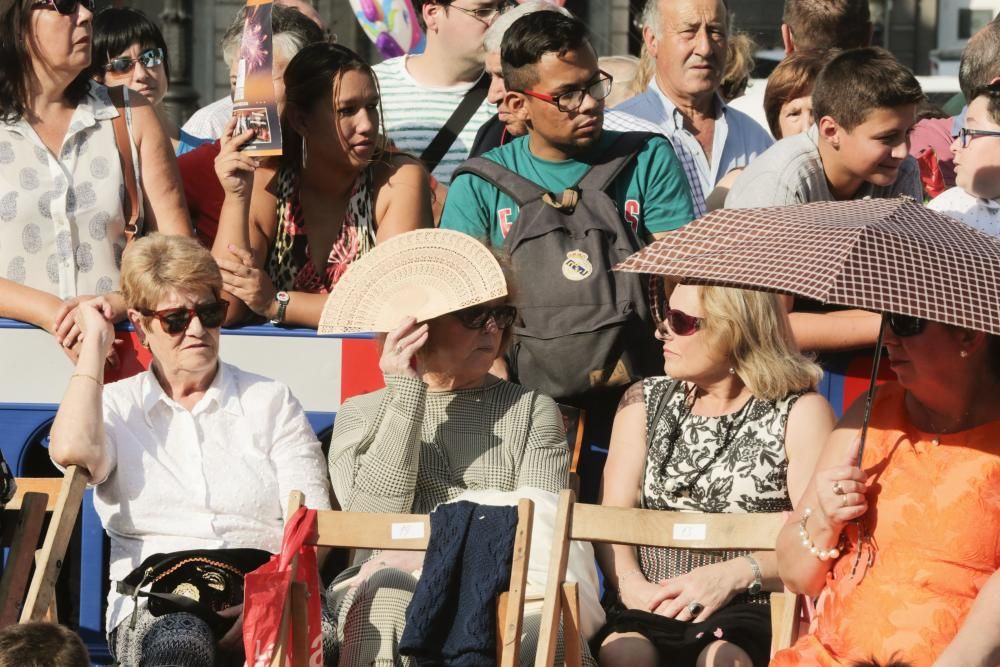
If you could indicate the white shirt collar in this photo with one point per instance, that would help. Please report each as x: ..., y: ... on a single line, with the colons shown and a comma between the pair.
x: 671, y: 111
x: 95, y: 106
x: 222, y: 392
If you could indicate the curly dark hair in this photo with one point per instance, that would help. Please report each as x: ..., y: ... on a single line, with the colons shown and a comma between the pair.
x: 15, y: 64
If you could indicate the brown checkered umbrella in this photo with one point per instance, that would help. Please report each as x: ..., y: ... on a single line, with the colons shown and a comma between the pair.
x: 886, y: 255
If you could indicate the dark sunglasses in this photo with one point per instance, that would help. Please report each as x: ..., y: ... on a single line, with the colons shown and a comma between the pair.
x: 176, y: 320
x: 678, y: 321
x: 476, y: 317
x: 149, y: 58
x: 64, y: 7
x: 905, y: 326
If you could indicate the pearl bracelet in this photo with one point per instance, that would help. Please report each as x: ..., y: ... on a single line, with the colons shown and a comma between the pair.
x: 823, y: 554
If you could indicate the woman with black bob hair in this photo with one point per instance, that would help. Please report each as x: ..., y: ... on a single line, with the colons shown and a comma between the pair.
x: 129, y: 50
x: 63, y: 230
x: 290, y: 227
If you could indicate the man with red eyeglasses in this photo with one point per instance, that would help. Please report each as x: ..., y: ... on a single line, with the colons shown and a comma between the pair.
x: 554, y: 87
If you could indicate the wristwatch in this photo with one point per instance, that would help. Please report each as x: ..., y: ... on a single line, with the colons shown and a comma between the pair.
x: 282, y: 298
x: 758, y: 584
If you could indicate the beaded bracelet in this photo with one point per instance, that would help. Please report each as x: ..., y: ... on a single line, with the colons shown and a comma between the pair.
x: 823, y: 554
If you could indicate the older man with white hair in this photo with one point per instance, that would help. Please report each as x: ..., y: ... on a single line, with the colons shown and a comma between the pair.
x: 688, y: 40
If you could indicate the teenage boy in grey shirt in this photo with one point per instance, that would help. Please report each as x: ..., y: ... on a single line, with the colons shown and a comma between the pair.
x: 866, y: 103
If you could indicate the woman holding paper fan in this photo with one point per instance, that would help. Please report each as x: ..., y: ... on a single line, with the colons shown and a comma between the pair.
x: 289, y: 228
x: 442, y: 426
x: 735, y: 426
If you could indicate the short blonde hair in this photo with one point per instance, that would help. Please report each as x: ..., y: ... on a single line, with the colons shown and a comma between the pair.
x: 752, y: 329
x: 158, y: 264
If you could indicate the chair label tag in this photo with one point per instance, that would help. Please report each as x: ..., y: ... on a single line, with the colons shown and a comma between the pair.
x: 692, y: 532
x: 408, y: 531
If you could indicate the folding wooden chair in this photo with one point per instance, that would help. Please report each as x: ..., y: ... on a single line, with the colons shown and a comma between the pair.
x: 35, y: 497
x: 617, y: 525
x: 574, y: 420
x: 411, y: 532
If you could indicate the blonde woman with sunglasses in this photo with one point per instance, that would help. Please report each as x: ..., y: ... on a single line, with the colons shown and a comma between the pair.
x: 191, y: 454
x: 63, y: 226
x: 734, y: 425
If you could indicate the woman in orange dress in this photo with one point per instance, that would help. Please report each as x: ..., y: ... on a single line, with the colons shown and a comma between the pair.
x: 921, y: 584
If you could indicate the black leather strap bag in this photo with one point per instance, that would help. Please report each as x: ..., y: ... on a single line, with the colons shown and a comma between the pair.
x: 200, y: 582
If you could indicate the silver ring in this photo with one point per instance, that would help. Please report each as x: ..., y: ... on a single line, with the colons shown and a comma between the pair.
x: 696, y: 608
x: 838, y: 489
x: 399, y: 349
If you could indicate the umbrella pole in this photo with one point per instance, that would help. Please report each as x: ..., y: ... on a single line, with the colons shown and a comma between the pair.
x: 871, y: 388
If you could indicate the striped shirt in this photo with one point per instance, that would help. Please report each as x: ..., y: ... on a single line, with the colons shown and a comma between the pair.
x: 737, y: 139
x: 414, y: 114
x: 620, y: 121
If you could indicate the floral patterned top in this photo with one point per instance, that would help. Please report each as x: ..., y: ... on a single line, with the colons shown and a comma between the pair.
x: 732, y: 463
x: 290, y: 264
x: 934, y: 527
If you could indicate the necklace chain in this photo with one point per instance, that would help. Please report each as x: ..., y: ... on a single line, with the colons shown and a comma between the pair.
x: 673, y: 484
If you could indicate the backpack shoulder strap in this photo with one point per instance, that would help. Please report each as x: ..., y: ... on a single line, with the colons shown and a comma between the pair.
x: 124, y: 143
x: 520, y: 189
x: 624, y: 150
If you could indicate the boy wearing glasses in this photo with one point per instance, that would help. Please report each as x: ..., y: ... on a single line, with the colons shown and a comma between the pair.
x: 555, y: 88
x: 422, y: 95
x: 974, y: 199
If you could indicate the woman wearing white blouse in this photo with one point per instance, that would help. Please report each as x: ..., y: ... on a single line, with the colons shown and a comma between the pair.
x: 191, y: 454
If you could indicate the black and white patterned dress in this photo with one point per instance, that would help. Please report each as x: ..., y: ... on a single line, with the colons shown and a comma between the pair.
x: 732, y: 463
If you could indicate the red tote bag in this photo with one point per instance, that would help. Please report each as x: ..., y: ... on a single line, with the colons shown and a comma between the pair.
x: 267, y: 610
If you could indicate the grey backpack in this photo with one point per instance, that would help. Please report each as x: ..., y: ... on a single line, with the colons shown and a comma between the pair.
x: 581, y: 327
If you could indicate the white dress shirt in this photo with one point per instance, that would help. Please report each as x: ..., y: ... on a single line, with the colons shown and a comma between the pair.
x: 209, y: 122
x: 737, y: 139
x: 983, y: 214
x: 215, y: 477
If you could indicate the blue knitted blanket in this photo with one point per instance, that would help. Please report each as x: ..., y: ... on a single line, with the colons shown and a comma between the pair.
x: 452, y: 616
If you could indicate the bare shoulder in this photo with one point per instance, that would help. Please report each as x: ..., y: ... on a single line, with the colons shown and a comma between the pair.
x: 810, y: 406
x: 144, y: 116
x: 400, y: 168
x: 632, y: 395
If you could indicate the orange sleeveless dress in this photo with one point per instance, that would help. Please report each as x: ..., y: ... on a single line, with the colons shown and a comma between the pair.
x: 934, y: 522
